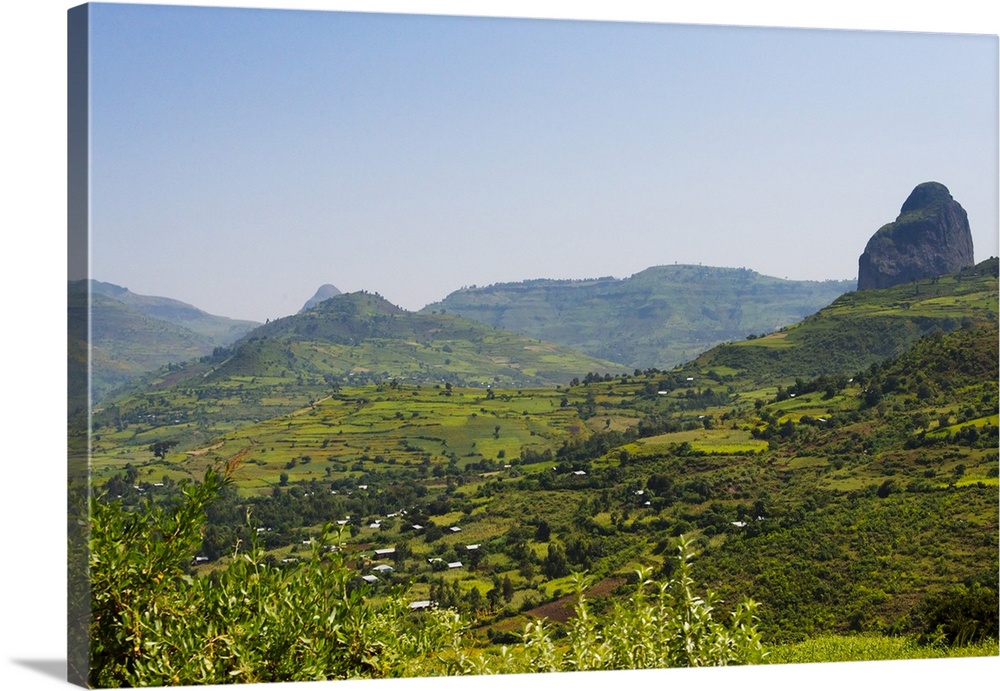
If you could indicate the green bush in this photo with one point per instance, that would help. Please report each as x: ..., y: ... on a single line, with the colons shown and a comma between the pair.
x: 965, y: 614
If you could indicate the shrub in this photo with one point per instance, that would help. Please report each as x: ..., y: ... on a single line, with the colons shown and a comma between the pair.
x: 965, y: 614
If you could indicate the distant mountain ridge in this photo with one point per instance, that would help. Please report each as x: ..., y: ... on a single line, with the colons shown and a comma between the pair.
x: 218, y: 330
x: 363, y: 337
x: 660, y: 317
x: 133, y: 334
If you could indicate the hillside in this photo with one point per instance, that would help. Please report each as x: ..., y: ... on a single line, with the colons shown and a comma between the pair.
x: 219, y: 331
x: 660, y: 317
x: 846, y: 491
x: 361, y: 337
x: 839, y: 505
x: 349, y: 340
x: 861, y: 328
x: 135, y: 334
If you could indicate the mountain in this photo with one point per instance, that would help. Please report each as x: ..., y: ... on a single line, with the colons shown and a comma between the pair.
x: 133, y: 334
x: 219, y: 331
x: 362, y: 337
x: 862, y: 328
x: 352, y: 339
x: 660, y: 317
x: 325, y: 292
x: 930, y: 237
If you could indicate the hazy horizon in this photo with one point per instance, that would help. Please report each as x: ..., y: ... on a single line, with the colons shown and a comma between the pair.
x: 473, y: 286
x: 241, y: 158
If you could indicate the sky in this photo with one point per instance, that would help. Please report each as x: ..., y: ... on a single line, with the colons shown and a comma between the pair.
x: 240, y: 158
x: 34, y: 270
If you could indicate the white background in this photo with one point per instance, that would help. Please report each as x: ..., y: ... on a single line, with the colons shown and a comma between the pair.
x: 32, y: 383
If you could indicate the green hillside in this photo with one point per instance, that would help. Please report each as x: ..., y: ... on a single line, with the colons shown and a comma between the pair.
x: 219, y: 331
x: 361, y: 337
x: 861, y: 328
x: 660, y: 317
x: 125, y: 343
x: 849, y: 493
x: 350, y: 340
x: 861, y: 500
x: 131, y: 335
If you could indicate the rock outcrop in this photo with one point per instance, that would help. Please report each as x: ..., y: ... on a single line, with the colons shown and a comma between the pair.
x: 325, y: 292
x: 930, y: 237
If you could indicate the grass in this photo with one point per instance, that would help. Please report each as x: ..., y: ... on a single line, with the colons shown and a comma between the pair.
x: 723, y: 441
x: 868, y: 647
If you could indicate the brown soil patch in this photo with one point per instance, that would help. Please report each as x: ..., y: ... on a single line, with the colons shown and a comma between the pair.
x: 562, y: 609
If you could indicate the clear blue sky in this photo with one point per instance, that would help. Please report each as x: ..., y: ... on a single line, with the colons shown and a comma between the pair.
x: 241, y: 158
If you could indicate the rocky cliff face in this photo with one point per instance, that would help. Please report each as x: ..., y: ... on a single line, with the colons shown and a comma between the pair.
x: 930, y: 237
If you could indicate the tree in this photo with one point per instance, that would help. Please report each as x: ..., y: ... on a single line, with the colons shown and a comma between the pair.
x: 161, y: 448
x: 543, y: 531
x: 555, y: 564
x: 507, y: 588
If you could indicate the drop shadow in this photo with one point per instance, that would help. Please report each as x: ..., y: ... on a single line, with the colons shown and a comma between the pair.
x: 50, y: 668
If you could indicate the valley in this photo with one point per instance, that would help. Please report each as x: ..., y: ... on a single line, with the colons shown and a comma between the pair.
x: 842, y: 471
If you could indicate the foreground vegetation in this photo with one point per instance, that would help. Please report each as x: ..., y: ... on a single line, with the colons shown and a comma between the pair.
x: 154, y: 624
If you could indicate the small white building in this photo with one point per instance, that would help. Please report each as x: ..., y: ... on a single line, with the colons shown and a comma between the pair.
x: 454, y: 564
